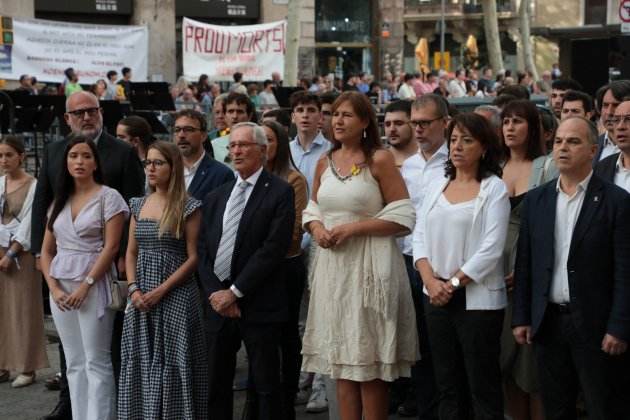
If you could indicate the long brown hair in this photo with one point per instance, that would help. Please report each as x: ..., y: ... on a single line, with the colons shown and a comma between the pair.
x: 172, y: 220
x: 365, y: 111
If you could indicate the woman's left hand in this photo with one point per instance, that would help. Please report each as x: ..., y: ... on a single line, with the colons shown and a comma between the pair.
x: 342, y: 233
x: 153, y: 297
x: 76, y: 299
x: 5, y: 263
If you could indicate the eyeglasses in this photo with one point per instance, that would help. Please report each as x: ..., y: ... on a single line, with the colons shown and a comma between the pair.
x: 187, y: 130
x: 424, y: 124
x: 617, y: 119
x: 79, y: 113
x: 234, y: 146
x: 156, y: 163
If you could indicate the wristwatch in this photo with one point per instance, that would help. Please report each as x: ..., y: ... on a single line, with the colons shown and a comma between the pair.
x: 456, y: 283
x: 89, y: 280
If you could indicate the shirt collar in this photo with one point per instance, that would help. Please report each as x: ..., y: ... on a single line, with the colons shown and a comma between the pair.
x: 442, y: 151
x: 318, y: 140
x: 582, y: 186
x: 194, y: 167
x: 253, y: 178
x: 619, y: 165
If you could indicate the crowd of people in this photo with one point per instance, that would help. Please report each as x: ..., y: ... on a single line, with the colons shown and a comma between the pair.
x: 472, y: 265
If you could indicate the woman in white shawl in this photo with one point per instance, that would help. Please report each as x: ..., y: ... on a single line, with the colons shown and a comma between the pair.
x: 361, y: 328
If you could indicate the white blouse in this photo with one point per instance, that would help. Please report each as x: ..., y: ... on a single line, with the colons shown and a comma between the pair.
x: 19, y: 231
x: 448, y: 228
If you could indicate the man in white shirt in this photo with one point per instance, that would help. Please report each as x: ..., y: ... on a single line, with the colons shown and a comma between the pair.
x: 406, y: 90
x: 572, y: 281
x: 399, y: 132
x: 428, y: 118
x: 457, y: 86
x: 267, y: 98
x: 616, y: 168
x: 614, y: 93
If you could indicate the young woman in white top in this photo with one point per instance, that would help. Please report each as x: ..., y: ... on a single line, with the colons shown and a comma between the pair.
x: 23, y: 343
x: 457, y: 245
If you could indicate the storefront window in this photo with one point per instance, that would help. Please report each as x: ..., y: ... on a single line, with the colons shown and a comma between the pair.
x: 342, y: 21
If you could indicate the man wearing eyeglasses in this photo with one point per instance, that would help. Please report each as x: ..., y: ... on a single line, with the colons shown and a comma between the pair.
x: 202, y: 174
x: 122, y: 171
x: 616, y: 168
x: 245, y: 234
x: 429, y: 114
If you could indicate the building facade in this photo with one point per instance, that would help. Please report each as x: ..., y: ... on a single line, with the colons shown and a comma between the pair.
x: 372, y: 36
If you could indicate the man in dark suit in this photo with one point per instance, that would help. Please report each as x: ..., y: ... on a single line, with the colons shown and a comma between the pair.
x: 607, y: 102
x: 122, y: 171
x: 245, y: 235
x: 616, y: 168
x: 202, y: 173
x: 572, y: 281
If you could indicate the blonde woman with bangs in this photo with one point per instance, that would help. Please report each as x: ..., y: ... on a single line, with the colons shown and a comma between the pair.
x: 164, y: 363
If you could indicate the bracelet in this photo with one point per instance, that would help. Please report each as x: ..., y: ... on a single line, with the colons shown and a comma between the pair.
x: 133, y: 288
x: 11, y: 253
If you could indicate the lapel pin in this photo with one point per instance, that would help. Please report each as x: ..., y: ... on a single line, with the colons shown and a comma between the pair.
x: 266, y: 184
x: 596, y: 199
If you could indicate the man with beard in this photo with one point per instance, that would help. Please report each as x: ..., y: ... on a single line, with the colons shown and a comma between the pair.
x: 122, y: 171
x: 398, y: 131
x: 202, y: 174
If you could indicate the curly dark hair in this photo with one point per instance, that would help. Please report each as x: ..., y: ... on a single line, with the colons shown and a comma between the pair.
x: 365, y: 111
x: 481, y: 130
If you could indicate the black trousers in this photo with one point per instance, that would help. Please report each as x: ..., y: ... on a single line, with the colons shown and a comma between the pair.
x: 468, y: 341
x: 262, y: 342
x: 64, y: 394
x: 290, y: 341
x: 422, y: 375
x: 566, y: 362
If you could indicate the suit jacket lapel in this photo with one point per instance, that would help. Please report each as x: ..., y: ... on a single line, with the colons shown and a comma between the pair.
x: 199, y: 175
x: 220, y: 210
x: 259, y: 192
x: 592, y: 200
x: 548, y: 216
x: 104, y: 149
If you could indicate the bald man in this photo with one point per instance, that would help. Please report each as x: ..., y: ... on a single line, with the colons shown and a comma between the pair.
x: 572, y: 281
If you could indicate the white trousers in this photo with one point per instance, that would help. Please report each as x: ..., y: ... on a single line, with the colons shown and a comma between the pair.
x: 87, y: 344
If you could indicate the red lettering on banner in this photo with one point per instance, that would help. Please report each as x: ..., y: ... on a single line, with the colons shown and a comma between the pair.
x: 257, y: 37
x: 199, y: 34
x: 208, y: 45
x: 188, y: 35
x: 278, y: 47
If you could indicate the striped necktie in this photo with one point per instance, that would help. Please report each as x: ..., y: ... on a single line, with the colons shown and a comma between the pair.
x: 223, y: 260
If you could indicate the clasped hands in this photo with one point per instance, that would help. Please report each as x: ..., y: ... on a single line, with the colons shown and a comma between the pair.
x: 440, y: 292
x: 224, y: 303
x: 68, y: 302
x: 336, y: 236
x: 145, y: 301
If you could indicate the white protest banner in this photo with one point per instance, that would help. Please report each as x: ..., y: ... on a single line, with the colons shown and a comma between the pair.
x: 45, y: 48
x: 220, y: 51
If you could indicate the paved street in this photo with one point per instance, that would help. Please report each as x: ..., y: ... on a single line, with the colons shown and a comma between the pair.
x: 32, y: 402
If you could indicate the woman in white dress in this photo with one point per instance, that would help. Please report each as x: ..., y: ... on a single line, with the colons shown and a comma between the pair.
x: 361, y: 328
